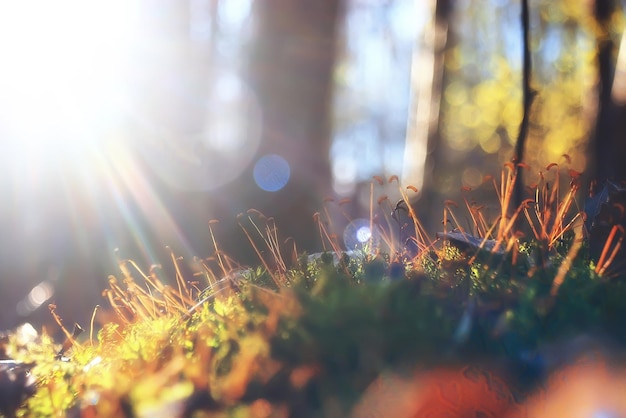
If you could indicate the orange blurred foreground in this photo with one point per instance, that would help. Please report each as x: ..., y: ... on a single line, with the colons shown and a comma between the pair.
x: 588, y: 388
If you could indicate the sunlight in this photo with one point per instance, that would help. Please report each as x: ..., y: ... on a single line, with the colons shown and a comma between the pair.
x: 130, y: 187
x: 107, y: 110
x: 64, y: 68
x: 67, y: 167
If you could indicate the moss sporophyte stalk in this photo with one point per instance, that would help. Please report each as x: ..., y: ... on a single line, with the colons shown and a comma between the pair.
x: 478, y: 321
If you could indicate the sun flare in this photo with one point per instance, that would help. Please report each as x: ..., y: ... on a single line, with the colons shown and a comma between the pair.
x: 64, y: 72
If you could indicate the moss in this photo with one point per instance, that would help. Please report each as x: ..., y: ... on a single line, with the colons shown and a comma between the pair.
x: 309, y: 339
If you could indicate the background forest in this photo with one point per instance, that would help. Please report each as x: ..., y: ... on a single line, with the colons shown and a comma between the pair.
x: 131, y: 126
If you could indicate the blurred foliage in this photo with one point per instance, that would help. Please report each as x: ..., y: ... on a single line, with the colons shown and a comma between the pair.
x: 482, y: 98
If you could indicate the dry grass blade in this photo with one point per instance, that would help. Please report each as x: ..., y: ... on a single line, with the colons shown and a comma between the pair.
x: 276, y: 278
x: 217, y: 250
x: 604, y: 262
x: 567, y: 263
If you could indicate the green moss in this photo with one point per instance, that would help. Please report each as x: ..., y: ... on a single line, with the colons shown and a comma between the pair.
x: 314, y: 340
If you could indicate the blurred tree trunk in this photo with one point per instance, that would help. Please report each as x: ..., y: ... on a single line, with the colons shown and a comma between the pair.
x: 290, y: 68
x: 423, y: 145
x: 608, y: 146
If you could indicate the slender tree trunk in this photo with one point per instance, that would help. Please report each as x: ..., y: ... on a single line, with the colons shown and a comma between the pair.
x: 528, y: 93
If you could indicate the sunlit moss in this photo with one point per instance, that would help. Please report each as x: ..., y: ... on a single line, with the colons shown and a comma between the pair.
x: 314, y: 344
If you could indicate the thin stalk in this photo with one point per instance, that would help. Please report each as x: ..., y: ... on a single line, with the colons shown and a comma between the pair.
x: 528, y: 96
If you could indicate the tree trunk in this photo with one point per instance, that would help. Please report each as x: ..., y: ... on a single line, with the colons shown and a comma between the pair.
x: 608, y: 147
x: 423, y: 147
x: 290, y: 69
